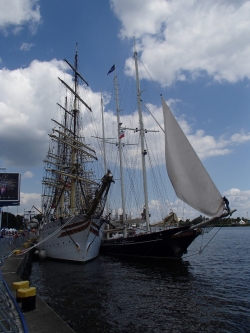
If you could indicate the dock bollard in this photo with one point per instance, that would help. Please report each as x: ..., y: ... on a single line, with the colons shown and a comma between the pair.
x: 18, y: 285
x: 28, y: 298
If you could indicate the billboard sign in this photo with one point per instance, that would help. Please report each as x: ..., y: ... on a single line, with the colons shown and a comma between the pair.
x: 10, y: 189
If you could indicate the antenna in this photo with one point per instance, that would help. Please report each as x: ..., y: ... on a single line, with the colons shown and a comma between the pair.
x: 134, y: 45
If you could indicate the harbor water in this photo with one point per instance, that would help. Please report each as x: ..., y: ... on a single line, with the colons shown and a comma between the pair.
x: 208, y: 292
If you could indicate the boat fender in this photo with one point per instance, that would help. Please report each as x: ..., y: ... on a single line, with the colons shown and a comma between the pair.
x: 42, y: 254
x: 78, y: 246
x: 36, y: 255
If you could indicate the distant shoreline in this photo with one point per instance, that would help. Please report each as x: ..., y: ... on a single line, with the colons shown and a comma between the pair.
x: 230, y: 225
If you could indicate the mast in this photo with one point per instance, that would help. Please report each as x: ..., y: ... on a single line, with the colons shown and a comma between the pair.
x: 120, y: 150
x: 61, y: 210
x: 73, y: 156
x: 104, y: 148
x: 143, y: 150
x: 68, y: 185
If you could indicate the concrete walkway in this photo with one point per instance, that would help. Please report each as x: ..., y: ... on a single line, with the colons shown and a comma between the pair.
x: 43, y: 319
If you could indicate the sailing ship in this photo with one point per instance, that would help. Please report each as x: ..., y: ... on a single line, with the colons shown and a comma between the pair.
x: 192, y: 184
x: 73, y: 200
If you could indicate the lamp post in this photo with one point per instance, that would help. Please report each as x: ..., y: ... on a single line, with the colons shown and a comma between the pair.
x: 4, y: 169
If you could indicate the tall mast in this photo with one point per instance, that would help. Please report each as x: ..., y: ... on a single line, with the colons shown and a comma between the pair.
x: 103, y: 137
x: 104, y: 148
x: 63, y: 152
x: 120, y: 149
x: 73, y: 156
x: 142, y: 135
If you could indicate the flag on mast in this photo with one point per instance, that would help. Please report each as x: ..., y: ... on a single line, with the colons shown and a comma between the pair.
x: 111, y: 69
x: 121, y: 135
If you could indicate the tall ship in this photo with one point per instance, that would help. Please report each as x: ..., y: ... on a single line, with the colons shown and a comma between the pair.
x: 73, y: 199
x: 190, y: 180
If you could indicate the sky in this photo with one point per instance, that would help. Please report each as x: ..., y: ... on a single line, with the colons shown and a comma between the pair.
x: 195, y: 52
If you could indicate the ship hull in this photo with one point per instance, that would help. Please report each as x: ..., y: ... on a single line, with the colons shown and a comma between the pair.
x: 163, y: 244
x: 74, y: 239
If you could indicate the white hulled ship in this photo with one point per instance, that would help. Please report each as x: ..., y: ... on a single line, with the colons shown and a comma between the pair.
x: 72, y: 200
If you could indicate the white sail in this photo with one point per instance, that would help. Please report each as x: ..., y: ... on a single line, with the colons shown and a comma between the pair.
x: 187, y: 174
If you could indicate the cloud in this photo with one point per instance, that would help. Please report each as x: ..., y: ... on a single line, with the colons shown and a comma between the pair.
x: 185, y: 39
x: 19, y: 13
x: 27, y: 174
x: 239, y: 199
x: 205, y: 145
x: 240, y: 137
x: 26, y: 46
x: 27, y: 108
x: 28, y: 200
x: 25, y: 111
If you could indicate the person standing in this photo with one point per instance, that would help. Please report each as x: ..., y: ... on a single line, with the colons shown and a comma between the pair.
x: 226, y: 202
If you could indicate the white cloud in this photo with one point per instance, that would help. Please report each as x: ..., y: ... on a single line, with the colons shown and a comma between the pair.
x: 26, y: 110
x: 18, y: 13
x: 205, y: 145
x: 26, y: 46
x: 240, y: 137
x: 28, y: 200
x: 239, y: 199
x: 27, y: 174
x: 180, y: 40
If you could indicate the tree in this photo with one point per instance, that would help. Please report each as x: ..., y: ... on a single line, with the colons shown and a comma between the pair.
x: 9, y: 220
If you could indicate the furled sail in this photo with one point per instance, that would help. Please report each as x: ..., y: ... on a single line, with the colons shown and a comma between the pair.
x: 187, y: 174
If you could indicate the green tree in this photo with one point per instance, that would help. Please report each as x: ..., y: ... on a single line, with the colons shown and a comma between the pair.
x: 10, y: 220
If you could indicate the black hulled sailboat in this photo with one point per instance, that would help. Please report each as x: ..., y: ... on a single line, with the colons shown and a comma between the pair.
x: 191, y: 183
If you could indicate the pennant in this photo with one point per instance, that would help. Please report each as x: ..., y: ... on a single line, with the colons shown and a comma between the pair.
x: 121, y: 135
x: 111, y: 69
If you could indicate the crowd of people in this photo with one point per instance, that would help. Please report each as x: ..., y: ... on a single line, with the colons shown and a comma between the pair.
x: 13, y: 233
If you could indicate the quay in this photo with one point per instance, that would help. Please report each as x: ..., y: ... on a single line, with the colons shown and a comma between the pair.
x: 41, y: 320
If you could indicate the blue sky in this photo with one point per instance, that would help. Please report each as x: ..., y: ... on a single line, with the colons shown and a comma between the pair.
x: 196, y: 52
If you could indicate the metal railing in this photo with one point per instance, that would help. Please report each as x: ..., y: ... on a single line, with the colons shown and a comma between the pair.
x: 11, y: 317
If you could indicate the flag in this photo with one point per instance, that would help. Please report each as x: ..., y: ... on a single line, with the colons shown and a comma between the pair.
x: 111, y: 69
x: 121, y: 135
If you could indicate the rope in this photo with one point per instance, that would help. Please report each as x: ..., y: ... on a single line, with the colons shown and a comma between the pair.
x: 76, y: 244
x: 210, y: 240
x: 202, y: 249
x: 96, y: 235
x: 44, y: 240
x: 150, y: 76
